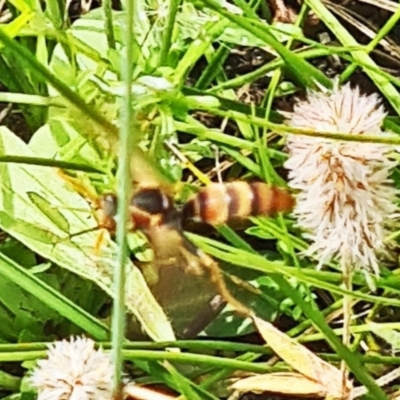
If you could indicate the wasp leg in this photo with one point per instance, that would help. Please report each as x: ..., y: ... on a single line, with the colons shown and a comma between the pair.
x: 198, y: 262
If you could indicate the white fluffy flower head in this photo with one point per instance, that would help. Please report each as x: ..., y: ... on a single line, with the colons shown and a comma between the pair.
x: 74, y: 370
x: 345, y: 193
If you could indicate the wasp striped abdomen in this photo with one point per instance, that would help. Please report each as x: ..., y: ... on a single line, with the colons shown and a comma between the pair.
x: 218, y: 203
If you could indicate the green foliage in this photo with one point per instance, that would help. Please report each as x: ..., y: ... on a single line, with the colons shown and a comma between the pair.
x: 67, y: 81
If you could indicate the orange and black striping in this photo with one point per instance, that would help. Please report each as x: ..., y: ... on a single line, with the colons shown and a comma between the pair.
x: 219, y: 203
x: 268, y: 200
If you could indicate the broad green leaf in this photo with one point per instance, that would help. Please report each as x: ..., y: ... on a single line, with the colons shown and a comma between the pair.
x: 386, y: 333
x: 28, y: 229
x: 22, y: 219
x: 50, y: 212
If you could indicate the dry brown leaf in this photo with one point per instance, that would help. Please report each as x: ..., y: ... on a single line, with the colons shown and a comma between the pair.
x: 316, y: 375
x: 281, y: 382
x: 395, y: 395
x: 136, y: 392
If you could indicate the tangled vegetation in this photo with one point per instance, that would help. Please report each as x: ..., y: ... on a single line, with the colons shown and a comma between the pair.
x: 189, y: 93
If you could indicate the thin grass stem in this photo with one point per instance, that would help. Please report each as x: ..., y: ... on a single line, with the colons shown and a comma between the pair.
x: 123, y: 179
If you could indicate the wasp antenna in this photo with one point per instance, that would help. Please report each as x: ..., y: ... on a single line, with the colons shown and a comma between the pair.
x: 97, y: 227
x: 99, y: 240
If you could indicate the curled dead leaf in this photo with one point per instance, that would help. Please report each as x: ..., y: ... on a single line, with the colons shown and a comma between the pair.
x: 314, y: 377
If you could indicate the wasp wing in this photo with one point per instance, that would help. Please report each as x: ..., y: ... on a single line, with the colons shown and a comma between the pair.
x: 179, y: 281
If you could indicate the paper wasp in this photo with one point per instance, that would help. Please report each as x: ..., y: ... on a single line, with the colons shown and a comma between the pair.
x: 153, y: 211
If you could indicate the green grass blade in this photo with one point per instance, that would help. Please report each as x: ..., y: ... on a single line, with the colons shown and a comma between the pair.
x: 123, y: 191
x: 52, y: 298
x: 303, y: 72
x: 362, y: 57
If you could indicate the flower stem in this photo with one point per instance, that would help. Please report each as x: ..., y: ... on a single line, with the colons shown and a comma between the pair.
x: 347, y: 311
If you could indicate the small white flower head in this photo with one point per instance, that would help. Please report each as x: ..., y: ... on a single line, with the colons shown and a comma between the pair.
x: 74, y: 370
x: 345, y: 194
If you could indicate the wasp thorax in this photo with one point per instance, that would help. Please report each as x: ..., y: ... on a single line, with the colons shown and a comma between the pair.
x: 152, y: 201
